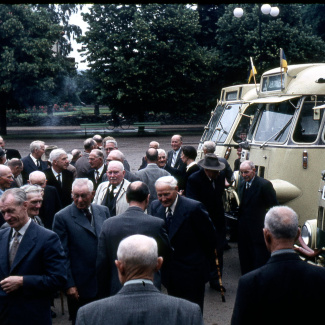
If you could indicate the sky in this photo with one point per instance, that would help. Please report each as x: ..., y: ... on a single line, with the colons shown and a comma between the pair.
x: 76, y: 19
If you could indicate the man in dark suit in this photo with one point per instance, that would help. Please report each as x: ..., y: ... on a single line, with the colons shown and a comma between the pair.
x: 152, y: 144
x: 16, y: 166
x: 51, y: 200
x: 10, y: 153
x: 33, y: 161
x: 191, y: 234
x: 207, y: 186
x: 256, y: 195
x: 139, y: 302
x: 32, y: 265
x: 151, y: 173
x: 284, y: 283
x: 132, y: 221
x: 78, y: 226
x: 82, y: 164
x: 174, y: 156
x: 98, y: 168
x: 58, y: 175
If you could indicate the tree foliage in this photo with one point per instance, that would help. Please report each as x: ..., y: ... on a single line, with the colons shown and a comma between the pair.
x: 147, y: 58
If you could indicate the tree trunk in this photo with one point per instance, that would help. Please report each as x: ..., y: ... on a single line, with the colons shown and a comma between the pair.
x: 96, y: 111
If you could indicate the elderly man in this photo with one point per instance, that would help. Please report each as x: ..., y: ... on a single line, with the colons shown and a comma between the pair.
x: 139, y: 301
x: 16, y: 166
x: 98, y: 138
x: 32, y: 266
x: 58, y: 175
x: 78, y: 226
x: 191, y: 234
x: 82, y: 165
x: 256, y: 195
x: 33, y: 161
x: 96, y: 161
x: 3, y: 158
x: 111, y: 145
x: 284, y: 283
x: 152, y: 144
x: 119, y: 156
x: 113, y: 192
x: 6, y: 178
x: 174, y: 156
x: 132, y: 221
x: 10, y: 153
x: 51, y: 200
x: 151, y: 173
x: 76, y: 154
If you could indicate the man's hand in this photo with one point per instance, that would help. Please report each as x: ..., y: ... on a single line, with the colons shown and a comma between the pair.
x: 11, y: 283
x: 73, y: 293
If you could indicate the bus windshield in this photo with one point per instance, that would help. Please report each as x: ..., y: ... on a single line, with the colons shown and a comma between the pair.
x: 274, y: 121
x: 225, y: 123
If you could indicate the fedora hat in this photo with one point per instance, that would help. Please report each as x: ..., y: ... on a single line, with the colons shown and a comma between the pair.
x: 46, y: 154
x: 211, y: 162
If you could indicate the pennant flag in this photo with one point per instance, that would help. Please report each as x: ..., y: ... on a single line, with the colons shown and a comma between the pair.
x: 252, y: 72
x: 283, y: 61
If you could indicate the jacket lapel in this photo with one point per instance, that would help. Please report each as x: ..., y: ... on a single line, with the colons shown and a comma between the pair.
x: 80, y: 219
x: 26, y: 245
x: 178, y: 217
x: 97, y: 216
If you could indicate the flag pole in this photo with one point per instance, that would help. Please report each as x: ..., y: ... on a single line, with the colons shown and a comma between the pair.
x: 281, y: 66
x: 253, y: 71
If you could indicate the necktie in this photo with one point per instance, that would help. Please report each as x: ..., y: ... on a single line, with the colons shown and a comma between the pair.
x: 213, y: 184
x: 174, y: 159
x: 97, y: 175
x: 169, y: 217
x: 88, y: 215
x: 247, y: 185
x: 14, y: 248
x: 59, y: 179
x: 111, y: 193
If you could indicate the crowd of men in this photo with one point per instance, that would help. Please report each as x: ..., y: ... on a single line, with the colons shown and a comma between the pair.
x: 83, y: 223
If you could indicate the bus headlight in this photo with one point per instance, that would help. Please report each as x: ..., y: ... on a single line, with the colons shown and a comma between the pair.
x: 308, y: 233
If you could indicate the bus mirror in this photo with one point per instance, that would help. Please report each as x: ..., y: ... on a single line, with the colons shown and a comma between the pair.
x: 316, y: 114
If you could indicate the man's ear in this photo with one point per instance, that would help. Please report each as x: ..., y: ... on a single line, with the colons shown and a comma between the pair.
x: 267, y: 237
x: 120, y: 267
x: 160, y: 261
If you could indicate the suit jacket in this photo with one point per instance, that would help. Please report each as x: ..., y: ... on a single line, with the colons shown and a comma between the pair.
x: 179, y: 163
x: 12, y: 153
x: 40, y: 260
x: 253, y: 206
x: 199, y: 187
x: 132, y: 221
x: 192, y: 235
x: 65, y: 189
x: 183, y: 181
x: 29, y: 166
x: 92, y: 177
x: 50, y: 206
x: 140, y: 304
x: 82, y: 165
x: 149, y: 175
x: 121, y: 204
x: 80, y: 240
x: 281, y: 285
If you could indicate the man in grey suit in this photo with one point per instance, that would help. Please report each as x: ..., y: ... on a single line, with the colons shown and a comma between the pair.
x: 151, y: 173
x: 132, y: 221
x: 82, y: 164
x: 78, y: 226
x: 139, y: 302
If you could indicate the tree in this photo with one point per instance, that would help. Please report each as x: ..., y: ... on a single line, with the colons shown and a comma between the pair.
x: 260, y: 37
x: 146, y: 58
x: 28, y: 64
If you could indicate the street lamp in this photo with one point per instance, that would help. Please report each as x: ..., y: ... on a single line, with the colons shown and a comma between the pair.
x: 266, y: 9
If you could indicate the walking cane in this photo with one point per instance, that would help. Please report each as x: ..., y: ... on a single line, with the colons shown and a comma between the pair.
x: 219, y: 276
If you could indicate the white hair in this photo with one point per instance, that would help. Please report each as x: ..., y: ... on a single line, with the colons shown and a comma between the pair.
x: 167, y: 180
x: 115, y: 163
x: 36, y: 145
x: 78, y: 182
x: 55, y: 154
x: 160, y: 151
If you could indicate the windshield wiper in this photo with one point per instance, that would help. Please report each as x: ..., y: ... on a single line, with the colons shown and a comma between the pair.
x: 278, y: 134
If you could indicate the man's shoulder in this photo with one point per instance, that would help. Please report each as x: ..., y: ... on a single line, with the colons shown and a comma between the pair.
x: 65, y: 211
x: 99, y: 207
x: 26, y: 158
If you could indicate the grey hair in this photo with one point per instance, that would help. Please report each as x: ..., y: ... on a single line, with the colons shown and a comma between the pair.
x: 116, y: 163
x: 111, y: 141
x: 119, y: 154
x: 31, y: 189
x: 138, y: 250
x: 209, y: 146
x: 18, y: 194
x: 98, y: 153
x: 36, y: 173
x: 250, y: 163
x: 55, y: 154
x: 36, y: 145
x: 81, y: 182
x: 160, y: 151
x: 167, y: 180
x: 282, y: 222
x: 15, y: 162
x: 89, y: 143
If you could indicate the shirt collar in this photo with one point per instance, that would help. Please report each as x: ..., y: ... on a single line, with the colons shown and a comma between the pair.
x: 283, y: 251
x: 101, y: 169
x: 34, y: 159
x: 55, y: 173
x: 136, y: 281
x: 190, y: 165
x: 172, y: 207
x: 23, y: 229
x: 251, y: 181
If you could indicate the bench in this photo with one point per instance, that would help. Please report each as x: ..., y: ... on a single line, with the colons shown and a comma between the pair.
x: 94, y: 126
x: 141, y: 125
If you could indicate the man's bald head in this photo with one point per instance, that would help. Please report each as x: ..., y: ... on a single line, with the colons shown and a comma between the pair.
x: 37, y: 178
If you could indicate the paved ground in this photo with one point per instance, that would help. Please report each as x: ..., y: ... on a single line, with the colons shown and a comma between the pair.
x: 215, y: 311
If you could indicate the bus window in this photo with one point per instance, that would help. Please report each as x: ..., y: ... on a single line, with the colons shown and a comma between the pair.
x: 307, y: 127
x: 212, y: 123
x: 225, y: 123
x: 241, y: 132
x: 275, y: 122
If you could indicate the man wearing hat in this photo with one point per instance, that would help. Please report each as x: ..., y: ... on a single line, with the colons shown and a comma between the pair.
x: 207, y: 186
